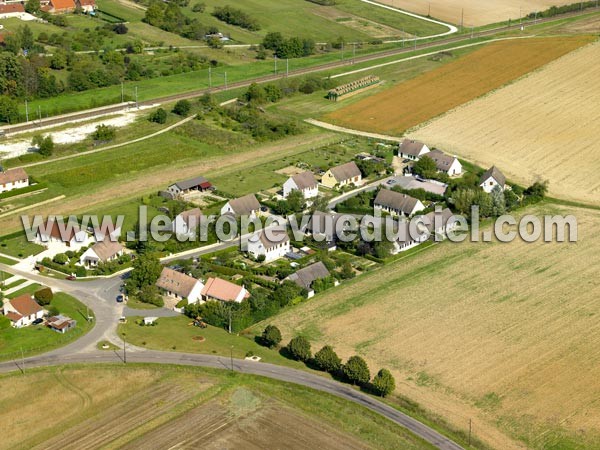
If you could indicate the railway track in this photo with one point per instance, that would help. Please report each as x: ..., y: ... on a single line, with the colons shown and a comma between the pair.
x: 97, y: 112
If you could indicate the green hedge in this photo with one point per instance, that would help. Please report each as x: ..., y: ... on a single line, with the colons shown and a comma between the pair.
x: 25, y: 190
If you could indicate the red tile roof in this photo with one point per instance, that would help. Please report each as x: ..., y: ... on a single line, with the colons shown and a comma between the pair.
x: 25, y: 305
x: 13, y: 316
x: 60, y: 5
x: 12, y: 8
x: 221, y: 290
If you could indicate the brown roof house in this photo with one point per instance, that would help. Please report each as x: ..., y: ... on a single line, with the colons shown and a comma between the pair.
x: 304, y: 182
x: 101, y: 252
x: 492, y: 178
x: 223, y: 291
x: 307, y: 276
x: 343, y: 175
x: 179, y: 285
x: 445, y: 163
x: 396, y: 203
x: 61, y: 324
x: 53, y: 231
x: 13, y: 178
x: 8, y: 10
x: 61, y: 6
x: 195, y: 184
x: 439, y: 223
x: 188, y: 222
x: 86, y: 6
x: 412, y: 150
x: 272, y: 243
x: 244, y: 206
x: 22, y: 310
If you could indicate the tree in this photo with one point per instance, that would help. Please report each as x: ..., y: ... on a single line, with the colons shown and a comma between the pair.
x: 182, y: 108
x: 327, y: 359
x: 384, y: 383
x: 146, y: 270
x: 357, y: 371
x: 425, y: 167
x: 256, y: 93
x: 26, y: 37
x: 120, y: 28
x: 158, y: 116
x: 299, y: 348
x: 347, y: 271
x: 58, y: 60
x: 271, y: 336
x: 295, y: 201
x: 149, y: 294
x: 498, y: 201
x: 60, y: 258
x: 44, y: 144
x: 44, y: 296
x: 4, y: 323
x: 104, y: 133
x: 9, y: 110
x: 273, y: 41
x: 199, y: 7
x: 538, y: 190
x: 32, y: 6
x: 286, y: 292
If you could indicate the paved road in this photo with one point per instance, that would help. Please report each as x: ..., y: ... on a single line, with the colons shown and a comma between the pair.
x: 262, y: 369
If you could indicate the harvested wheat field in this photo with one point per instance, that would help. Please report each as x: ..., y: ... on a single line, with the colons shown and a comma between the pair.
x: 160, y: 407
x: 544, y: 126
x: 512, y: 343
x: 415, y: 101
x: 476, y: 12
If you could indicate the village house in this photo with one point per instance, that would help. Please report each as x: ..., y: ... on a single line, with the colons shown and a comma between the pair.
x: 55, y: 232
x: 443, y: 225
x: 307, y: 276
x: 8, y: 10
x: 87, y: 6
x: 405, y: 240
x: 304, y: 182
x: 199, y: 184
x: 244, y: 206
x: 412, y: 150
x: 272, y: 244
x: 343, y: 175
x: 60, y: 6
x: 397, y: 204
x: 445, y: 163
x: 492, y: 178
x: 12, y: 178
x: 22, y: 310
x: 61, y: 324
x: 101, y: 252
x: 323, y: 227
x: 179, y: 285
x: 223, y: 291
x: 188, y: 222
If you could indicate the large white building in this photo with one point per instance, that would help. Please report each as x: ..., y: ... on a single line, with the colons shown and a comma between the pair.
x: 492, y: 178
x: 243, y: 206
x: 304, y: 182
x: 69, y: 235
x: 396, y: 203
x: 13, y: 179
x: 179, y: 285
x: 272, y: 243
x: 22, y: 311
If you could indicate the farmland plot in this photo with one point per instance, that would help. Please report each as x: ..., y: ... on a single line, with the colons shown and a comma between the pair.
x: 420, y: 99
x: 504, y: 334
x: 544, y: 126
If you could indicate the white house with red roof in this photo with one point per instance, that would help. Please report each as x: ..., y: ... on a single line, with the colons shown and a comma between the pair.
x: 223, y: 291
x: 22, y: 310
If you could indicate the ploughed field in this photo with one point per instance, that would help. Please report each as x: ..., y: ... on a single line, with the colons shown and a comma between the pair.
x: 543, y: 126
x: 395, y: 110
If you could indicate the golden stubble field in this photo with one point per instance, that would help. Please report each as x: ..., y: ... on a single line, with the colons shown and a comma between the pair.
x: 394, y: 110
x: 476, y: 12
x: 543, y: 126
x: 504, y: 334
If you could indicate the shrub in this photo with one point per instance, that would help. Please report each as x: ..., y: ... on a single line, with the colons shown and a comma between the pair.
x: 104, y: 133
x: 80, y: 272
x: 44, y: 296
x: 45, y: 144
x: 120, y: 28
x: 271, y: 336
x: 357, y: 371
x: 199, y: 7
x: 299, y: 348
x: 181, y: 303
x: 4, y: 323
x: 327, y: 359
x: 61, y: 258
x: 158, y: 116
x: 384, y: 383
x: 182, y: 108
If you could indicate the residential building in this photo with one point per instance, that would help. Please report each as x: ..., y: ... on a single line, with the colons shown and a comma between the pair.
x: 442, y: 225
x: 396, y: 203
x: 304, y: 182
x: 445, y: 163
x: 55, y: 232
x: 405, y: 240
x: 61, y: 6
x: 199, y: 184
x: 101, y: 252
x: 272, y: 243
x: 492, y: 178
x: 87, y: 6
x: 244, y: 206
x: 325, y: 226
x: 179, y: 285
x: 188, y: 222
x: 307, y: 276
x: 8, y: 10
x: 61, y: 324
x: 22, y: 310
x: 12, y: 178
x: 343, y: 175
x: 412, y: 150
x: 223, y: 291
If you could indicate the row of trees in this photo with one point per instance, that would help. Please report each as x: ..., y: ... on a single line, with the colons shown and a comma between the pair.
x: 237, y: 17
x: 355, y: 370
x: 293, y: 47
x: 169, y: 17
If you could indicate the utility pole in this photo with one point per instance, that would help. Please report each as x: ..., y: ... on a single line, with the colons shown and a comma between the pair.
x: 230, y: 320
x: 429, y: 11
x: 472, y: 30
x: 209, y: 77
x: 231, y: 354
x: 520, y: 15
x: 39, y: 113
x: 275, y: 58
x: 22, y: 361
x: 26, y: 112
x: 415, y: 44
x: 462, y: 18
x: 124, y: 350
x: 342, y: 50
x: 122, y: 93
x: 136, y: 99
x: 287, y: 67
x: 353, y: 51
x: 225, y: 80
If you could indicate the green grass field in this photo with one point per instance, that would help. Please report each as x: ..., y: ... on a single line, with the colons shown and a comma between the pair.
x: 38, y: 339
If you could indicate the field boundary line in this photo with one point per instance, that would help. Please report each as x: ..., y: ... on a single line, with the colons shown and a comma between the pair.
x: 331, y: 127
x: 25, y: 208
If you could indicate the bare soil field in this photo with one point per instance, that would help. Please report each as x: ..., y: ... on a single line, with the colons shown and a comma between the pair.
x: 504, y: 334
x: 394, y: 110
x: 476, y: 12
x: 544, y: 126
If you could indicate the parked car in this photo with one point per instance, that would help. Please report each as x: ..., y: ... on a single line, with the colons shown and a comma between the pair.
x: 120, y: 298
x: 390, y: 182
x: 37, y: 321
x: 71, y: 277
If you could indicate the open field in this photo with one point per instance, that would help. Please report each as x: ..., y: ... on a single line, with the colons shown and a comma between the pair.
x: 403, y: 106
x: 511, y: 343
x: 544, y: 126
x: 476, y: 12
x: 152, y: 407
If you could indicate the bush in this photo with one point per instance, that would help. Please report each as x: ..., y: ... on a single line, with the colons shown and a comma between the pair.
x: 271, y: 336
x: 104, y: 133
x: 234, y: 16
x: 61, y: 258
x: 327, y: 359
x: 45, y: 145
x: 182, y: 303
x: 199, y: 7
x: 384, y: 383
x: 4, y: 323
x: 120, y: 28
x: 299, y: 348
x: 44, y: 296
x: 356, y: 371
x: 158, y: 116
x: 182, y: 108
